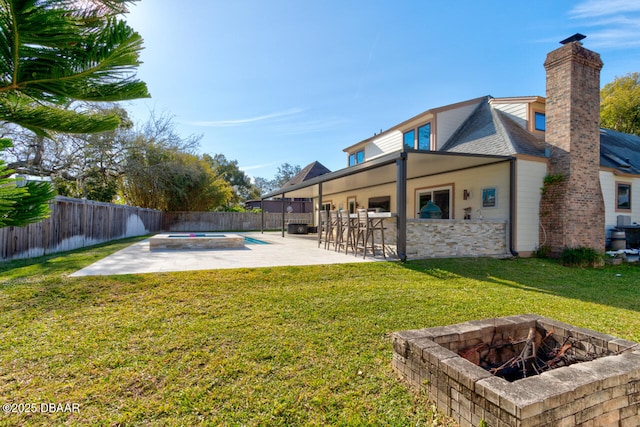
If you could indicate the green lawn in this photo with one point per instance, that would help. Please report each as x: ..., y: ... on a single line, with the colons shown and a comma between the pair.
x: 268, y: 346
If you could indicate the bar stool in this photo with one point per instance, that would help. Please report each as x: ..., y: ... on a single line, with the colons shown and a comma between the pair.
x: 364, y: 233
x: 322, y: 228
x: 377, y: 224
x: 347, y: 229
x: 337, y: 221
x: 333, y: 224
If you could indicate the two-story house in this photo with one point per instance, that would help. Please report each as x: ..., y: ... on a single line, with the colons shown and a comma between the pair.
x: 509, y: 174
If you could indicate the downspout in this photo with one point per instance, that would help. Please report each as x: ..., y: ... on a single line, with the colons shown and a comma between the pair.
x: 512, y: 203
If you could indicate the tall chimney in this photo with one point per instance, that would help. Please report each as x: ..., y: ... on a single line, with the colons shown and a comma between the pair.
x: 572, y: 208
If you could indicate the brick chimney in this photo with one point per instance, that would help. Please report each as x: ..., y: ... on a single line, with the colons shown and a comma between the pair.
x: 572, y: 209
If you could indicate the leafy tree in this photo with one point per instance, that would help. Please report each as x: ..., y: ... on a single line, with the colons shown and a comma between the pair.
x: 237, y: 179
x: 161, y: 171
x: 285, y: 172
x: 81, y: 165
x: 620, y: 104
x: 54, y: 52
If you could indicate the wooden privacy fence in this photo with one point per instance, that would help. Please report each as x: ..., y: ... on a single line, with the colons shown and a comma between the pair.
x: 230, y: 221
x: 76, y: 223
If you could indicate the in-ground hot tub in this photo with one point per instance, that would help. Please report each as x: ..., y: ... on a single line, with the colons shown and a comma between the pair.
x: 600, y: 386
x: 196, y: 241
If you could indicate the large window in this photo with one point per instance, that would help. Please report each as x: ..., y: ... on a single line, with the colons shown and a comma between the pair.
x: 356, y: 158
x: 441, y: 197
x: 424, y: 137
x: 423, y: 142
x: 623, y: 196
x: 382, y: 204
x: 540, y: 121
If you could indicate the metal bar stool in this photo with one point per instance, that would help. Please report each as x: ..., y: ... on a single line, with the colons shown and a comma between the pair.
x: 322, y: 227
x: 377, y: 224
x: 347, y: 229
x: 364, y: 234
x: 333, y: 225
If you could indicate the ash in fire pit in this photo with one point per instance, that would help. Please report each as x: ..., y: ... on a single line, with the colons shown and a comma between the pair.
x: 547, y: 373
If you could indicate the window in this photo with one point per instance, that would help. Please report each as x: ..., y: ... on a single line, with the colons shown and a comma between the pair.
x: 380, y: 203
x: 409, y: 138
x: 352, y: 204
x: 356, y: 158
x: 441, y: 197
x: 623, y: 196
x: 540, y: 121
x: 424, y: 137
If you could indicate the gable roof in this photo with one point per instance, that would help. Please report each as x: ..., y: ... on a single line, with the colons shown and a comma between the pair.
x: 310, y: 171
x: 490, y: 131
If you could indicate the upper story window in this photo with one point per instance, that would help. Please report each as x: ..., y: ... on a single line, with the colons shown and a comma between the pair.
x: 409, y: 138
x: 540, y: 121
x: 423, y: 142
x: 424, y: 137
x: 356, y: 158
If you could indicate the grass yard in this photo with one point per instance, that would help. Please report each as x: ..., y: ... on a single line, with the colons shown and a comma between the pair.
x: 268, y: 346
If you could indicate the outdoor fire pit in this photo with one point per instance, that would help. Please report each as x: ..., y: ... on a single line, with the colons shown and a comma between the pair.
x: 523, y: 371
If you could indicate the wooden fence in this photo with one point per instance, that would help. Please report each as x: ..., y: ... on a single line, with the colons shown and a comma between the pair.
x: 230, y: 221
x: 76, y: 223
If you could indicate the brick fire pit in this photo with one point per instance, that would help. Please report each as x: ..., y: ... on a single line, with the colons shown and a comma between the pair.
x: 600, y: 392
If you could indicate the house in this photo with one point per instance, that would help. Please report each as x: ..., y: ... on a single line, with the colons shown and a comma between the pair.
x: 510, y: 175
x: 297, y: 205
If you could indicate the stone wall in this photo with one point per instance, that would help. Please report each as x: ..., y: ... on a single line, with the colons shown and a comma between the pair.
x: 442, y: 238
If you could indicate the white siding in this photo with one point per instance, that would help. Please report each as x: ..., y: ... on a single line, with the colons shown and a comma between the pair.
x: 449, y: 121
x: 608, y: 184
x: 529, y: 180
x: 384, y: 144
x: 517, y: 112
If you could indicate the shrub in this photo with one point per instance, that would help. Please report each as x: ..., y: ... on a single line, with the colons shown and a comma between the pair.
x: 581, y: 257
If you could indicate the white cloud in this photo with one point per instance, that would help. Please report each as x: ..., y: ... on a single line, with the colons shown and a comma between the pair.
x: 247, y: 120
x: 595, y: 8
x: 613, y: 24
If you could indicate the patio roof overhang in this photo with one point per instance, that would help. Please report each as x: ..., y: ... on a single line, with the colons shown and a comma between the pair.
x: 394, y: 168
x: 383, y: 170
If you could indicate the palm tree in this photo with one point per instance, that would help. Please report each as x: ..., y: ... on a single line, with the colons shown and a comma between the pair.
x: 54, y: 52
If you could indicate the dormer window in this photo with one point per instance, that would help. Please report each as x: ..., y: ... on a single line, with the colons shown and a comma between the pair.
x: 423, y: 142
x: 540, y: 121
x: 409, y: 138
x: 356, y: 158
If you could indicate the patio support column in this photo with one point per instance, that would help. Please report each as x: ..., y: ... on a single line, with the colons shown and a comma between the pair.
x: 318, y: 223
x: 401, y: 206
x: 283, y: 209
x: 512, y: 207
x: 262, y: 216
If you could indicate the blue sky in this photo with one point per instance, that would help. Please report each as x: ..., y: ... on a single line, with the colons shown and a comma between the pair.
x: 269, y: 82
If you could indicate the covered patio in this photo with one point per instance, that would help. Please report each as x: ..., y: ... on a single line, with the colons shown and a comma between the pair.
x: 399, y: 180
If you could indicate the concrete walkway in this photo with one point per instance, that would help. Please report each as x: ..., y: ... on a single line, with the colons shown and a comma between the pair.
x: 290, y: 250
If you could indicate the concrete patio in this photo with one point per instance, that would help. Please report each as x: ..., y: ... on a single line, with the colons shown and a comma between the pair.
x: 288, y: 251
